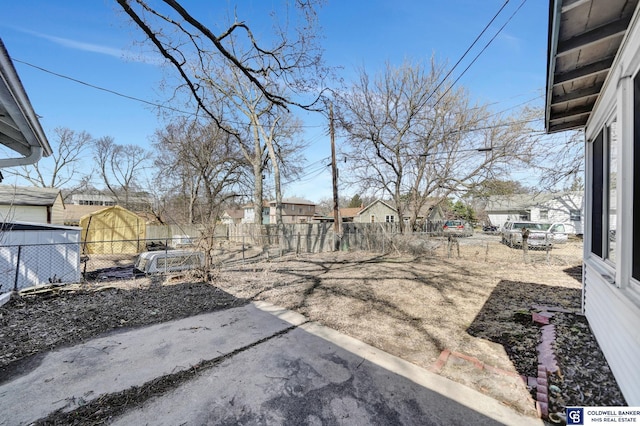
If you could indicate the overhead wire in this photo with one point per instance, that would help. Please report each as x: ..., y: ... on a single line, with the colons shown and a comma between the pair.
x: 123, y: 95
x: 480, y: 53
x: 467, y: 51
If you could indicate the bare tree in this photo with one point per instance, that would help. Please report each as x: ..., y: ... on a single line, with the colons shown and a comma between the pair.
x: 64, y: 167
x: 410, y: 139
x: 278, y: 72
x: 202, y: 162
x: 272, y: 143
x: 560, y: 161
x: 119, y: 167
x: 291, y: 55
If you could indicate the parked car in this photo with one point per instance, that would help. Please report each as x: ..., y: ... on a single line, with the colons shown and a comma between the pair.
x: 157, y: 262
x: 490, y: 229
x: 512, y: 234
x: 557, y: 232
x: 458, y: 228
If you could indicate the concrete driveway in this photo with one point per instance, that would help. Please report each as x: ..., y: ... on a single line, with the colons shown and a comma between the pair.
x: 255, y: 364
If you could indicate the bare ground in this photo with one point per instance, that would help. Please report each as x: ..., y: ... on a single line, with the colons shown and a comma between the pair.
x: 475, y: 307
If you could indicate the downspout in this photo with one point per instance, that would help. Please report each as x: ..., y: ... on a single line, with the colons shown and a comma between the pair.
x: 32, y: 158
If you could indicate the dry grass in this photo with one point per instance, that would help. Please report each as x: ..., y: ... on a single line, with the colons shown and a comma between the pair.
x: 416, y: 307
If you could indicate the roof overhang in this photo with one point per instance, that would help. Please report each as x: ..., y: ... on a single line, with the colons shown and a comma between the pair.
x: 20, y: 129
x: 584, y: 38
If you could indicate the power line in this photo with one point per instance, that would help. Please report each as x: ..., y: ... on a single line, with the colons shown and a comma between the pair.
x: 480, y: 53
x: 468, y: 49
x: 123, y: 95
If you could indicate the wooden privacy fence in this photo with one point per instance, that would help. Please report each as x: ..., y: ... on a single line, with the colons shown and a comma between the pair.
x: 315, y: 237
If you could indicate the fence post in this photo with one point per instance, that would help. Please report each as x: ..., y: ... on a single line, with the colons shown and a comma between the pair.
x: 243, y: 247
x: 15, y: 281
x: 525, y: 244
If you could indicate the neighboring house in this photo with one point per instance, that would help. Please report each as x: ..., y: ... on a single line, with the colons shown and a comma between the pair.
x: 347, y: 214
x: 594, y: 84
x: 232, y: 216
x: 378, y: 211
x: 249, y: 214
x: 430, y: 212
x: 31, y: 204
x: 136, y: 201
x: 564, y: 207
x: 294, y: 210
x: 20, y: 130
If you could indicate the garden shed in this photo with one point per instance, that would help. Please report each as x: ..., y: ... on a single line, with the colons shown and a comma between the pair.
x: 113, y: 230
x: 34, y: 254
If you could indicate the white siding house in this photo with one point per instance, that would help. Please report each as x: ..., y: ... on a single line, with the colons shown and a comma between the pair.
x: 566, y: 207
x: 594, y: 84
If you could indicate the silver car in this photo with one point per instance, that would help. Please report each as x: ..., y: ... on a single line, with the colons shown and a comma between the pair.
x: 557, y: 232
x: 512, y: 234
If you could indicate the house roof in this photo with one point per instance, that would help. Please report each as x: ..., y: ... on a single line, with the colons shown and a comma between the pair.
x: 234, y: 213
x: 28, y: 196
x: 295, y: 200
x: 350, y: 211
x: 376, y: 202
x: 517, y: 202
x: 584, y: 38
x: 20, y: 129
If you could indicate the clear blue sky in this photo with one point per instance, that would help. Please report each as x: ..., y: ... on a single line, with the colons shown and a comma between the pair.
x: 91, y: 41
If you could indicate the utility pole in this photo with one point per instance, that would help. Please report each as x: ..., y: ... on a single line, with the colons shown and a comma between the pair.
x: 337, y: 228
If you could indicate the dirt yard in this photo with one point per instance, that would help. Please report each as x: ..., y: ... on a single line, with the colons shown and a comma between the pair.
x: 467, y: 318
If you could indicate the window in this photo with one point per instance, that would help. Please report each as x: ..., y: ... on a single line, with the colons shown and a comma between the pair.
x: 389, y: 218
x: 544, y: 214
x: 604, y: 174
x: 635, y: 226
x: 373, y: 218
x: 597, y: 175
x: 612, y: 182
x: 575, y: 215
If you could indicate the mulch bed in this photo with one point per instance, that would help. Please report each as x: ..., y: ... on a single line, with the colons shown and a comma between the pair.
x: 33, y: 324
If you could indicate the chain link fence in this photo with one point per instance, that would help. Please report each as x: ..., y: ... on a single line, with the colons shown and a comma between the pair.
x: 27, y: 265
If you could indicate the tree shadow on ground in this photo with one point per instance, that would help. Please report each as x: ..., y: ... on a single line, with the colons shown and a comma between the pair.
x: 354, y: 283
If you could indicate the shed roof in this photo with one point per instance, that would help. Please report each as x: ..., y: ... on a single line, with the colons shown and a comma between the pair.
x: 584, y: 38
x: 28, y: 196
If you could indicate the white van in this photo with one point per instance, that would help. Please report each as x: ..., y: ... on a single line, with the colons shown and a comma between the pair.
x: 158, y: 262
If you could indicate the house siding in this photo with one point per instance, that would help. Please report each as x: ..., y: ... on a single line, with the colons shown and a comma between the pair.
x: 377, y: 209
x: 614, y: 321
x: 611, y: 299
